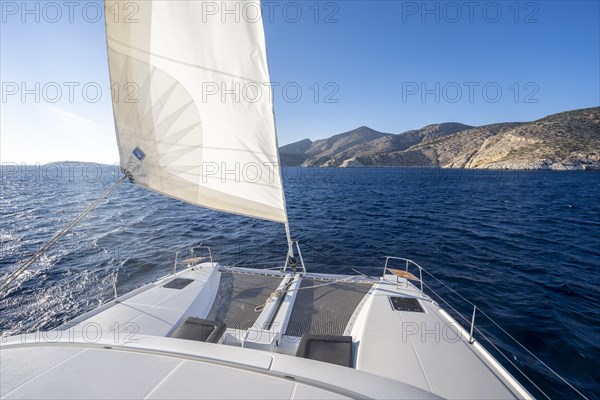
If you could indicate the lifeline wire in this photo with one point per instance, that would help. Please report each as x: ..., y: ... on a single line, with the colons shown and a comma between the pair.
x: 17, y: 272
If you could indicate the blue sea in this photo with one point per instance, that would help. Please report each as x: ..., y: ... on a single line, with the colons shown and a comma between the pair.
x: 524, y: 246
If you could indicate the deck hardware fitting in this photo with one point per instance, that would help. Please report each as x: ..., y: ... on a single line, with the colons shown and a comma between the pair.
x: 471, y: 340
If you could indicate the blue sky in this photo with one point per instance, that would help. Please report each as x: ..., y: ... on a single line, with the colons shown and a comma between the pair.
x: 389, y: 65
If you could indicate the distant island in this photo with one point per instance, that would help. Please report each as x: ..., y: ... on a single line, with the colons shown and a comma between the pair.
x: 564, y: 141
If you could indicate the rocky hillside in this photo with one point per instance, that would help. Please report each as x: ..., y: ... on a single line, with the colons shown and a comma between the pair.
x: 309, y: 153
x: 569, y: 140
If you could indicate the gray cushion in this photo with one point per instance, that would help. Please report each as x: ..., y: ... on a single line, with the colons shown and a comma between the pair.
x: 327, y: 348
x: 201, y: 330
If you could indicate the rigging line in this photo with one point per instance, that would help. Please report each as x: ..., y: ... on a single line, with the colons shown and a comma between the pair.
x: 17, y: 272
x: 508, y: 334
x: 447, y: 287
x: 273, y: 296
x: 334, y: 257
x: 484, y: 314
x: 448, y: 304
x: 491, y: 343
x: 256, y: 255
x: 513, y: 364
x: 307, y: 245
x: 286, y: 290
x: 533, y: 355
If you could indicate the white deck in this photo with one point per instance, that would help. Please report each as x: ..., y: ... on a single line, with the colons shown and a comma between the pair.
x: 121, y: 350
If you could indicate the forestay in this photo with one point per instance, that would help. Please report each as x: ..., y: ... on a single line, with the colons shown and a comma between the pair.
x: 192, y: 103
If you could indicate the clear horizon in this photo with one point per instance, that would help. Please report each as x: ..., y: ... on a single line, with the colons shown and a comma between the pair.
x: 280, y: 145
x: 391, y: 66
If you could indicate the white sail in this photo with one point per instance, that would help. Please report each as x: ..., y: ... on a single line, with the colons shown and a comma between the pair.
x: 192, y: 103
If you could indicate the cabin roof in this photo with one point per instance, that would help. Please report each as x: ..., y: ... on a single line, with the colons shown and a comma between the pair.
x: 159, y: 368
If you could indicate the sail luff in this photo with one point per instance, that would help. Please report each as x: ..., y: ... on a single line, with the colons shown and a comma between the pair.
x: 288, y: 233
x: 186, y: 126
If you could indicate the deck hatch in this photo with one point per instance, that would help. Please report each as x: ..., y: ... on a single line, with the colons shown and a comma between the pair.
x: 406, y: 304
x: 178, y: 283
x: 325, y: 307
